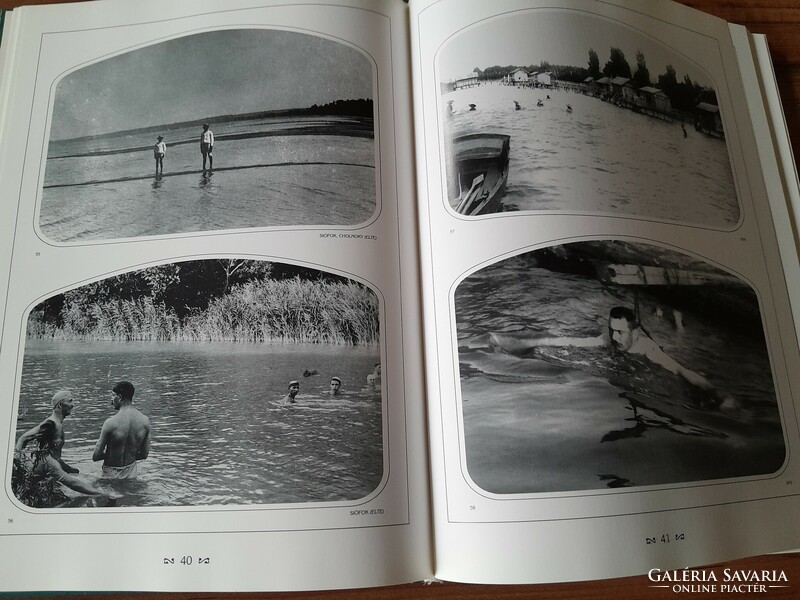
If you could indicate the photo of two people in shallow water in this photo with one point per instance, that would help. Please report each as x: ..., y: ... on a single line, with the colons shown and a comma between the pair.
x: 608, y: 364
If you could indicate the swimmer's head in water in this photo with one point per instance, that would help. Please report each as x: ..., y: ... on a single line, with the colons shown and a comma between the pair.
x: 294, y: 387
x: 621, y: 328
x: 336, y: 383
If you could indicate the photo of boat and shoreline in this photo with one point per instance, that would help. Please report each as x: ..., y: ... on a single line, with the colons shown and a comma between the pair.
x: 620, y: 125
x: 292, y: 138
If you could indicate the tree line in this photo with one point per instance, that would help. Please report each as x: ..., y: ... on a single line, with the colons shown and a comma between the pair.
x: 684, y: 95
x: 227, y: 299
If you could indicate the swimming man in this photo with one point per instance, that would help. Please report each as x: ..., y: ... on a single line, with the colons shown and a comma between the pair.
x: 624, y: 336
x: 124, y: 438
x: 336, y: 386
x: 294, y: 388
x: 374, y: 378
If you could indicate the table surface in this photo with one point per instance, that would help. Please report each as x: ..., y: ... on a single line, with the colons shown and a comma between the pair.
x: 780, y: 21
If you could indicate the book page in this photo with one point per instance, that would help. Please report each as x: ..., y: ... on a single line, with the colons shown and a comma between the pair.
x: 608, y: 298
x: 207, y: 356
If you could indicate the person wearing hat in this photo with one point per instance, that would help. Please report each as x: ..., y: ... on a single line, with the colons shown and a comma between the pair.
x: 46, y: 460
x: 294, y: 388
x: 207, y: 146
x: 159, y: 150
x: 336, y: 385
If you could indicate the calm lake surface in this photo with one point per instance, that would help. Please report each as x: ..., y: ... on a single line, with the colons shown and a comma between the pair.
x: 563, y: 419
x: 278, y: 172
x: 600, y: 158
x: 217, y: 435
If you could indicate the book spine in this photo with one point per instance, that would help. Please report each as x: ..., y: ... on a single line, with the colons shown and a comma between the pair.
x: 9, y: 31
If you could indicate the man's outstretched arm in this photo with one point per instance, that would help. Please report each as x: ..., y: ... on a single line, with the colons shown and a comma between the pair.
x: 516, y: 343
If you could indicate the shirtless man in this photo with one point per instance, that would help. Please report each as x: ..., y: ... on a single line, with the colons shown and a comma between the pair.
x: 50, y: 436
x: 125, y: 437
x: 624, y: 336
x: 374, y: 378
x: 291, y: 397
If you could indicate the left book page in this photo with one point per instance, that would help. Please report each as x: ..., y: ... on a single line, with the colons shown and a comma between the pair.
x: 206, y: 357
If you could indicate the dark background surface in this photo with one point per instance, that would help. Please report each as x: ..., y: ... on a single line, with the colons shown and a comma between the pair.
x: 780, y: 21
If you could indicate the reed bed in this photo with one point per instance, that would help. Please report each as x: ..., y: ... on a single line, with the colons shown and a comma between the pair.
x: 289, y: 311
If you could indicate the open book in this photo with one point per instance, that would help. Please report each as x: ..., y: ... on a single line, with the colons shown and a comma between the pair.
x: 355, y: 293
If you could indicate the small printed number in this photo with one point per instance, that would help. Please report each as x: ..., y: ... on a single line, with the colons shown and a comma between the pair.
x: 472, y: 507
x: 37, y: 254
x: 11, y: 520
x: 186, y: 560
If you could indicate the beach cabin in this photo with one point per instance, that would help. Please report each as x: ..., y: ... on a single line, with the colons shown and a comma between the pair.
x: 465, y: 81
x: 519, y: 76
x: 623, y: 89
x: 652, y: 98
x: 603, y: 85
x: 545, y: 78
x: 708, y: 120
x: 589, y: 84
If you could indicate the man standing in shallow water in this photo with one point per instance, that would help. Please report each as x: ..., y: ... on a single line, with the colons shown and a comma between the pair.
x: 207, y: 146
x: 159, y: 151
x: 124, y: 438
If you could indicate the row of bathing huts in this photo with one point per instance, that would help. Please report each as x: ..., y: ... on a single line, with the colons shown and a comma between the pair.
x: 620, y: 91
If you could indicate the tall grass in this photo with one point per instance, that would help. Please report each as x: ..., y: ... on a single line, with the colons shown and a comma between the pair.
x: 292, y: 310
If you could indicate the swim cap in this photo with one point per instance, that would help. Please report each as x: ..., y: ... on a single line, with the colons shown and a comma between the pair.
x: 60, y: 396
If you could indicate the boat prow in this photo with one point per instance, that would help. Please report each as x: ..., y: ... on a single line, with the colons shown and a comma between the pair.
x: 480, y: 166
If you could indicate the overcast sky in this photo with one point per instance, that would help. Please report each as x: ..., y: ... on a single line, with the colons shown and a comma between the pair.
x: 205, y: 75
x: 561, y: 38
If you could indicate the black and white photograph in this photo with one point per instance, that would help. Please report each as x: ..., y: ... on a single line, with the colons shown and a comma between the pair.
x: 220, y: 130
x: 610, y: 364
x: 205, y: 382
x: 568, y: 112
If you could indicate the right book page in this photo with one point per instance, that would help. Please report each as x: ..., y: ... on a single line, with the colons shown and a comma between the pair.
x: 607, y: 266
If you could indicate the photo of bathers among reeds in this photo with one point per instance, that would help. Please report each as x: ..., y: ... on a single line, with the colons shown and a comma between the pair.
x: 220, y: 130
x: 260, y: 381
